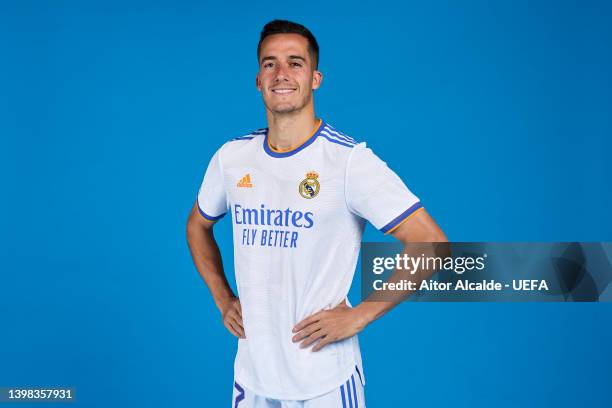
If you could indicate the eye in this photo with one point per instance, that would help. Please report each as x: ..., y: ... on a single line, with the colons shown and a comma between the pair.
x: 296, y: 64
x: 268, y: 65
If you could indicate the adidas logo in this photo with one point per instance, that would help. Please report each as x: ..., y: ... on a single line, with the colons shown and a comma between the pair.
x: 245, y: 181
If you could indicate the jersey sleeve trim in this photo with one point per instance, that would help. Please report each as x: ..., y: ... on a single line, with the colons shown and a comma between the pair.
x: 346, y: 176
x: 399, y: 220
x: 207, y: 216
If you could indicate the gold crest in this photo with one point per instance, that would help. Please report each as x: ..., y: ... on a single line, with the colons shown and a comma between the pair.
x: 309, y: 187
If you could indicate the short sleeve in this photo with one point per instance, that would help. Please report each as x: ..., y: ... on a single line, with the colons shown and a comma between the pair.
x: 212, y: 199
x: 374, y: 192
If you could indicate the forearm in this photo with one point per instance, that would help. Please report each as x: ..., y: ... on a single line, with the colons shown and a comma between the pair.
x: 207, y: 259
x: 378, y: 304
x: 372, y: 310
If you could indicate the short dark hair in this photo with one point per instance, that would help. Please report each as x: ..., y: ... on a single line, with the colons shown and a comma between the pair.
x: 289, y: 27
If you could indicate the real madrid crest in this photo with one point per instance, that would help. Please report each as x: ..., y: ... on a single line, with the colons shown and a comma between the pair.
x: 309, y: 187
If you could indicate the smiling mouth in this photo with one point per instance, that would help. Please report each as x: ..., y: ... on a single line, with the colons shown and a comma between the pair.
x: 283, y: 91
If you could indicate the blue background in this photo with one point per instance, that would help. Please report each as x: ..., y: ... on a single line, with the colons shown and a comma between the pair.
x: 498, y: 116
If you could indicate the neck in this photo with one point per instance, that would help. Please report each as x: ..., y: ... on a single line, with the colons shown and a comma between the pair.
x: 288, y: 131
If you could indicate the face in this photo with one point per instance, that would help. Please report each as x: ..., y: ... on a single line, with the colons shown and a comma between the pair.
x: 286, y: 76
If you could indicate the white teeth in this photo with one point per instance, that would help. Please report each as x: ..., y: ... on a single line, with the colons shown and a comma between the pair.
x: 282, y: 91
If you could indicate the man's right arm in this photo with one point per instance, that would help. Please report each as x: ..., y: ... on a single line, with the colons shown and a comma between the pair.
x: 207, y: 259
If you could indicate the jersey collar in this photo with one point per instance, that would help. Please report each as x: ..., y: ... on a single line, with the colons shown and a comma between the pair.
x: 268, y: 149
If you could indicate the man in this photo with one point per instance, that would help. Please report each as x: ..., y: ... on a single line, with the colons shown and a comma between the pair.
x: 299, y: 192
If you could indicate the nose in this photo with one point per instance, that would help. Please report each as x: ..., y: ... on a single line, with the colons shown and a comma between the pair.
x: 281, y: 73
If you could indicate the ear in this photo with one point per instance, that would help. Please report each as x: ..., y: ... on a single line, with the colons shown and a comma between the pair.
x: 317, y: 78
x: 258, y: 83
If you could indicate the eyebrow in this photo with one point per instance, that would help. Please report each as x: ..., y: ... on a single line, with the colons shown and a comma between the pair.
x: 297, y: 57
x: 270, y: 58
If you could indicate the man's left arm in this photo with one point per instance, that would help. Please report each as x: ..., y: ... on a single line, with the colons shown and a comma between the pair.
x: 341, y: 322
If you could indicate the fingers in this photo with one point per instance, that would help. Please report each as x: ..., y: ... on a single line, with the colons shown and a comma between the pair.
x: 325, y: 327
x: 307, y: 321
x: 316, y: 335
x: 322, y: 343
x: 307, y: 331
x: 237, y: 328
x: 231, y: 329
x: 232, y: 320
x: 236, y: 312
x: 239, y: 310
x: 235, y: 315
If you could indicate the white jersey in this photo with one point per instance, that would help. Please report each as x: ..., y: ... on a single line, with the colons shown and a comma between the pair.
x: 297, y: 219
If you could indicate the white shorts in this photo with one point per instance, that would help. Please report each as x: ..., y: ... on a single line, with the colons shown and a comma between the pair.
x: 348, y: 395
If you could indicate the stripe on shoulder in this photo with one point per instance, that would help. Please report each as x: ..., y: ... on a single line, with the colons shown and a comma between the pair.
x: 251, y: 135
x: 335, y: 136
